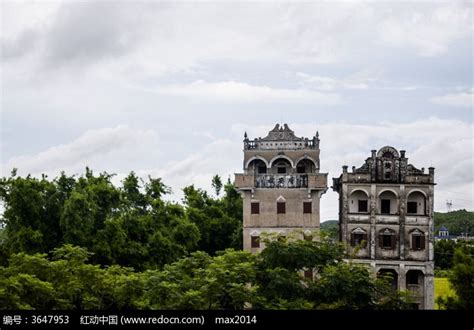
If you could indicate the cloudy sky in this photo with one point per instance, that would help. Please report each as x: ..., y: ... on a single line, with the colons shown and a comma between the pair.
x: 168, y: 88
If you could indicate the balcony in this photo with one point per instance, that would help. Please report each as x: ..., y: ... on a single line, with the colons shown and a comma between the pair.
x: 310, y: 181
x: 281, y: 181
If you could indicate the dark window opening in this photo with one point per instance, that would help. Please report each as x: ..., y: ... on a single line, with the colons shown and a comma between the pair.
x: 385, y: 206
x: 281, y: 170
x: 308, y: 273
x: 358, y: 238
x: 412, y: 278
x: 363, y: 206
x: 308, y: 237
x: 281, y: 209
x: 300, y: 169
x: 388, y: 165
x: 387, y: 241
x: 418, y: 242
x: 412, y: 207
x: 262, y: 169
x: 388, y: 175
x: 255, y: 242
x: 307, y: 207
x: 255, y: 208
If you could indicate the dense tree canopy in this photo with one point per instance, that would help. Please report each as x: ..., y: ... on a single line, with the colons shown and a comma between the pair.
x: 129, y: 225
x: 230, y: 280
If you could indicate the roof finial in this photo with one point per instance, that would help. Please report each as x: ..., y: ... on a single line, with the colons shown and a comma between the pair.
x: 245, y: 135
x: 317, y: 134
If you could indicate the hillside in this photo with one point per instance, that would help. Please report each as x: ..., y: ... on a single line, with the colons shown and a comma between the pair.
x: 331, y: 227
x: 457, y: 222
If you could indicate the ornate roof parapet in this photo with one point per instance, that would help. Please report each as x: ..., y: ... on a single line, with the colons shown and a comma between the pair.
x: 281, y: 137
x: 388, y: 165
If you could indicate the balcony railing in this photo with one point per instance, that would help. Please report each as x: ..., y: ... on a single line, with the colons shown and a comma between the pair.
x: 281, y: 181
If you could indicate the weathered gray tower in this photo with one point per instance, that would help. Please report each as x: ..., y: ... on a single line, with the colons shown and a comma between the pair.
x: 386, y: 211
x: 281, y: 185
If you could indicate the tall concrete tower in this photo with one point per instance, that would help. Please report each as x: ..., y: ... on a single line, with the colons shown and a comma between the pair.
x: 281, y: 185
x: 386, y: 220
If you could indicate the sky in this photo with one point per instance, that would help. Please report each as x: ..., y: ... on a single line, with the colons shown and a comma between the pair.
x: 168, y: 89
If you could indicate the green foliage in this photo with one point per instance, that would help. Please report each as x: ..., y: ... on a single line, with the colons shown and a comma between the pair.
x: 331, y: 228
x: 129, y: 225
x: 217, y: 184
x: 442, y: 289
x: 461, y: 278
x: 219, y: 220
x: 457, y: 222
x: 66, y: 282
x: 336, y: 284
x: 230, y: 280
x: 444, y: 252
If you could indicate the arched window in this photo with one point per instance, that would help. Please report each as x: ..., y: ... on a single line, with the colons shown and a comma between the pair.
x: 387, y: 203
x: 416, y: 203
x: 390, y: 274
x: 305, y: 166
x: 358, y: 202
x: 257, y: 166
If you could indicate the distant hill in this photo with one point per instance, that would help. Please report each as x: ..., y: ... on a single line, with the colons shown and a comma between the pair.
x: 457, y: 222
x: 331, y: 227
x: 329, y: 224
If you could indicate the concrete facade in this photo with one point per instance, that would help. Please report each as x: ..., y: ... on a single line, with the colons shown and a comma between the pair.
x: 386, y: 220
x: 281, y: 185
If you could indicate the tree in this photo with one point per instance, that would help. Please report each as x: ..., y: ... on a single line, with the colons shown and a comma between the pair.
x: 219, y: 226
x: 335, y: 285
x: 461, y: 278
x: 217, y: 184
x: 129, y: 225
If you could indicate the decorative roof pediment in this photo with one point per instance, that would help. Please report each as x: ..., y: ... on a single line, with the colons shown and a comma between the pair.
x: 358, y: 230
x: 279, y: 133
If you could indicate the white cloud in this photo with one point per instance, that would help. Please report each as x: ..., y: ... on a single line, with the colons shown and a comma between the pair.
x: 427, y: 29
x: 95, y: 148
x: 220, y: 156
x: 156, y: 38
x: 237, y: 92
x: 358, y: 81
x: 463, y: 99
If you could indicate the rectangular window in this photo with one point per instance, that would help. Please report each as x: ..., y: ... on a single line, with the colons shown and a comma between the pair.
x: 362, y: 206
x: 281, y: 209
x: 412, y: 207
x: 262, y: 169
x: 300, y: 169
x: 418, y: 242
x: 387, y: 241
x: 281, y: 170
x: 358, y: 238
x: 385, y: 206
x: 255, y: 208
x: 307, y: 207
x: 255, y: 242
